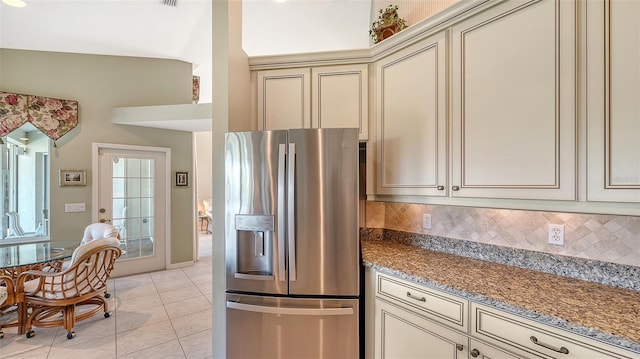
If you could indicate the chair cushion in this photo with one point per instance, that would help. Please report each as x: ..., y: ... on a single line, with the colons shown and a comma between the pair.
x: 98, y: 230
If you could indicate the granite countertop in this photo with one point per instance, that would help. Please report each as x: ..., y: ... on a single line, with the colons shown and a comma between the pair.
x: 607, y: 313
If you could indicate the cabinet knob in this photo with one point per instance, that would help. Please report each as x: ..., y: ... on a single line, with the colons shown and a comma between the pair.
x: 455, y: 188
x: 474, y: 352
x: 460, y: 347
x: 440, y: 188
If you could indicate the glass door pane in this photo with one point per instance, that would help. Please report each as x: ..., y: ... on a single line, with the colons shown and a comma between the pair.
x: 132, y: 203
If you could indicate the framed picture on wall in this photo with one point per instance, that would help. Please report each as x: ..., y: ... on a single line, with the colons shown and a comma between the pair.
x: 73, y: 178
x: 182, y: 179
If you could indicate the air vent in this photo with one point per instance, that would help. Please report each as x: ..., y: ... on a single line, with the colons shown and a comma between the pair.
x: 170, y: 2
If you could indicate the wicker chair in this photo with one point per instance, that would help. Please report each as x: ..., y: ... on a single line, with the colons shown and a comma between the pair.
x: 7, y: 299
x: 92, y: 232
x: 84, y: 283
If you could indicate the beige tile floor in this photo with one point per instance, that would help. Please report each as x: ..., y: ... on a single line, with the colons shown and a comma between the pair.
x: 156, y: 315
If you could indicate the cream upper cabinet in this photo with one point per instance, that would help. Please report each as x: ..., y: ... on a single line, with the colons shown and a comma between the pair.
x: 411, y: 146
x: 613, y: 108
x: 513, y: 102
x: 284, y: 99
x: 339, y: 97
x: 318, y: 97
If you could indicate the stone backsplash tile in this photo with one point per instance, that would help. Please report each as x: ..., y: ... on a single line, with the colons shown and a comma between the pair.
x: 606, y: 238
x: 375, y: 214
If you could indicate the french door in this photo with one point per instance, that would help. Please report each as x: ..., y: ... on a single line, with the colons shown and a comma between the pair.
x: 130, y: 192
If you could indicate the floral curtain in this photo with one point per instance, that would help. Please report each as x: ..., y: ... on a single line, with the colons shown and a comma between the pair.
x: 13, y: 112
x: 52, y: 116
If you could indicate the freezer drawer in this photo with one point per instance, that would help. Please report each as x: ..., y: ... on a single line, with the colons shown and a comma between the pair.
x: 272, y: 327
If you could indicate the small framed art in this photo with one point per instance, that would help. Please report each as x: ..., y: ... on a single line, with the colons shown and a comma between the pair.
x: 182, y: 179
x: 73, y: 178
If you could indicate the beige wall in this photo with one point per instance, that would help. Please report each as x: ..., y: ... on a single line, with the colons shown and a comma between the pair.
x: 606, y: 238
x: 203, y: 148
x: 100, y: 83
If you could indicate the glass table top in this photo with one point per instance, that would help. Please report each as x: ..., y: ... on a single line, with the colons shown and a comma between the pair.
x: 17, y: 255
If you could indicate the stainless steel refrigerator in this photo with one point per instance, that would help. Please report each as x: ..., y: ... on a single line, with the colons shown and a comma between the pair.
x: 292, y: 244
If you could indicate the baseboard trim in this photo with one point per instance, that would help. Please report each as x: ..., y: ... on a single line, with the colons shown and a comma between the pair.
x: 180, y: 265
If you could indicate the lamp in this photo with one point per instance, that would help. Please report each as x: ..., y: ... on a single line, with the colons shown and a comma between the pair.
x: 15, y: 3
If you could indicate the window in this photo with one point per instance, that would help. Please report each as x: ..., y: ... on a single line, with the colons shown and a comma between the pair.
x: 24, y: 186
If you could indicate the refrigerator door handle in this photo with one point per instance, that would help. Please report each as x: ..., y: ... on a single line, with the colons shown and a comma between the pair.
x: 291, y: 210
x: 289, y: 310
x: 281, y: 212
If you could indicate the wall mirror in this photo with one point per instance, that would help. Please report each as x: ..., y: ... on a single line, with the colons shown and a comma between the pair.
x: 24, y: 185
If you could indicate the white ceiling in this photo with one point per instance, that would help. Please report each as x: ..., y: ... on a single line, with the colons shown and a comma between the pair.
x: 144, y: 28
x: 147, y: 28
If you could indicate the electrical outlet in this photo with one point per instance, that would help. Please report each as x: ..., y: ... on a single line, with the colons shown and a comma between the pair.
x: 556, y: 234
x: 426, y: 221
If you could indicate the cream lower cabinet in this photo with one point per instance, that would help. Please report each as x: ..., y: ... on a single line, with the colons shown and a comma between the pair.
x: 537, y: 340
x: 482, y: 350
x: 318, y: 97
x: 613, y: 90
x: 411, y: 127
x: 513, y: 102
x: 402, y: 335
x: 413, y: 321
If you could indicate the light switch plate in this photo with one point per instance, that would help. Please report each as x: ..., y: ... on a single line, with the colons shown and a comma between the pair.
x: 74, y: 207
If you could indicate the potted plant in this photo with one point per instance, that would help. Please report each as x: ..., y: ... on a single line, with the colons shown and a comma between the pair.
x: 387, y: 24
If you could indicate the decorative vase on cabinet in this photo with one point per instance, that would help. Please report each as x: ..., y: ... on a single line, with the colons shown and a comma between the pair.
x: 387, y: 24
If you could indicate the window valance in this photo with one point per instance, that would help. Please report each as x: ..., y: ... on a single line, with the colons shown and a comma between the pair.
x: 53, y: 117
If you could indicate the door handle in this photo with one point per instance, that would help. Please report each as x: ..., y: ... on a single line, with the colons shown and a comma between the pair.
x: 414, y: 297
x: 561, y: 350
x: 291, y: 210
x: 103, y: 220
x: 281, y: 212
x: 289, y: 310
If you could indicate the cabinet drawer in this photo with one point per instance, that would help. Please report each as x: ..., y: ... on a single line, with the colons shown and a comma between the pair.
x: 481, y: 350
x: 441, y: 307
x: 506, y: 330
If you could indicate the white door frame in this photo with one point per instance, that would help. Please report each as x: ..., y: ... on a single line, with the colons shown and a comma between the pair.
x: 95, y: 148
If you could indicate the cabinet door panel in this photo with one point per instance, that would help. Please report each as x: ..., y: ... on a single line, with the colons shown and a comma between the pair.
x: 411, y: 120
x: 513, y: 103
x: 284, y: 99
x: 402, y: 335
x: 340, y: 96
x: 613, y: 110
